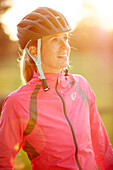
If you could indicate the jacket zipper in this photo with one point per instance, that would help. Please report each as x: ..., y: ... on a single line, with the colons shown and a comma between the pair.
x: 64, y: 108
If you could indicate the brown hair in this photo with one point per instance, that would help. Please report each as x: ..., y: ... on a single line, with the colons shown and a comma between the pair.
x: 27, y: 67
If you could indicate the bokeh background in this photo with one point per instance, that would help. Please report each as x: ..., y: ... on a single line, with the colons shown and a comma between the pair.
x: 91, y: 51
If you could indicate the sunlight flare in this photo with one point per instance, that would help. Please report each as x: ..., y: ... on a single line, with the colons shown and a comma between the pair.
x: 73, y: 10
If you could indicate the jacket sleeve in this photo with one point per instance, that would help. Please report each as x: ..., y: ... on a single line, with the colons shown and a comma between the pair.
x: 101, y: 145
x: 10, y: 134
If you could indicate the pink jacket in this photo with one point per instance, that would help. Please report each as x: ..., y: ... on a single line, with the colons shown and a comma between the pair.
x: 59, y: 129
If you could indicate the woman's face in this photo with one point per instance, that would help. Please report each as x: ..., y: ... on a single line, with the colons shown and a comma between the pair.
x: 55, y: 53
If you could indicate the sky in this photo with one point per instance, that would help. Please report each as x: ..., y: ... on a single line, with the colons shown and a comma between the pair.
x: 73, y: 10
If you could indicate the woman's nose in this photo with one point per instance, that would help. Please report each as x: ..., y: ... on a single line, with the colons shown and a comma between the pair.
x: 64, y: 44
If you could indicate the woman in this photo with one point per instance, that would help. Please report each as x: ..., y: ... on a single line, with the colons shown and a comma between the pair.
x: 53, y: 117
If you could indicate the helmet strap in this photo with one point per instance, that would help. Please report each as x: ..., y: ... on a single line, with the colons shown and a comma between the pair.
x: 38, y: 63
x: 66, y: 73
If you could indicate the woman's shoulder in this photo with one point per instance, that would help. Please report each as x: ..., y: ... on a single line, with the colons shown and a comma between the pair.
x: 83, y: 85
x: 23, y: 90
x: 79, y: 79
x: 18, y: 91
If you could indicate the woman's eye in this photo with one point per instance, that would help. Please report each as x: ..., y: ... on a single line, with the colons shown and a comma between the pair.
x: 54, y: 40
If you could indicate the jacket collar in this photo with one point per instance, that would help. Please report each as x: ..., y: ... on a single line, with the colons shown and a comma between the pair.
x: 50, y: 77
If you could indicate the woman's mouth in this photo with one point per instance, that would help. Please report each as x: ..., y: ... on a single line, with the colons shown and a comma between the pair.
x: 65, y: 56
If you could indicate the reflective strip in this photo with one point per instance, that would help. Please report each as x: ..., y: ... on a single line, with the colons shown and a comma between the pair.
x: 30, y: 150
x: 33, y: 111
x: 83, y: 96
x: 81, y: 92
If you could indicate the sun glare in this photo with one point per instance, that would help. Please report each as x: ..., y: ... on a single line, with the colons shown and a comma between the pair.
x: 74, y: 10
x: 20, y: 8
x: 105, y: 12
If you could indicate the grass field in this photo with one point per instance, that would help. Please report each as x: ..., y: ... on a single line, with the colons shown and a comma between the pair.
x: 97, y: 69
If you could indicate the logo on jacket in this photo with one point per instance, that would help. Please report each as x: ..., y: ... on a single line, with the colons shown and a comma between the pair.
x: 73, y: 95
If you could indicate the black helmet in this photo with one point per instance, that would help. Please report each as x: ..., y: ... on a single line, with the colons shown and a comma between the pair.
x: 41, y: 22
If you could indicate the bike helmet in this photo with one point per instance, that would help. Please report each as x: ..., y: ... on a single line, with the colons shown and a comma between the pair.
x: 39, y: 23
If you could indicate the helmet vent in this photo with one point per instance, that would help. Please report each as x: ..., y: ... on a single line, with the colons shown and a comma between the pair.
x: 33, y: 18
x: 34, y: 29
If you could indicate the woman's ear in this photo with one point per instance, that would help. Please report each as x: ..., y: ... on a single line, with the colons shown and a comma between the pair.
x: 33, y: 51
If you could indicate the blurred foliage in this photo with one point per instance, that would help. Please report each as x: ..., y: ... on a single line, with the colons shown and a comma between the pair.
x: 4, y: 6
x: 22, y: 162
x: 9, y: 75
x: 8, y: 48
x: 88, y: 35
